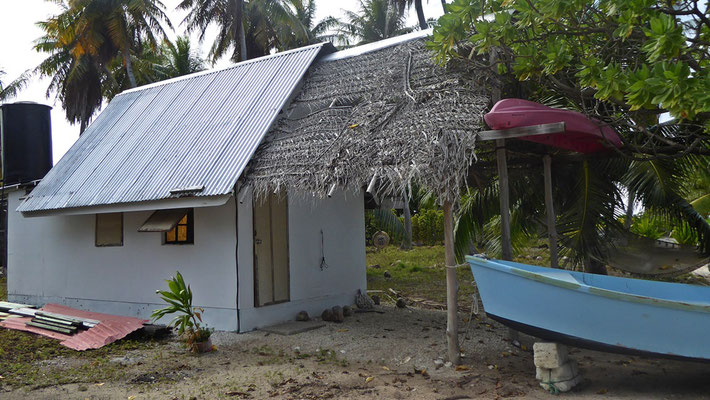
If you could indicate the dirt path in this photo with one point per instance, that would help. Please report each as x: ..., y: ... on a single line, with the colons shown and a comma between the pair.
x: 394, y: 355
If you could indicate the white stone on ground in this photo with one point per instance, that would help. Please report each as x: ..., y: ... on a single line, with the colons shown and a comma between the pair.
x: 550, y: 355
x: 553, y: 368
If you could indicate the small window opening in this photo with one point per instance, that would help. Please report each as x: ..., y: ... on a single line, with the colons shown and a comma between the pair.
x: 109, y: 230
x: 183, y: 232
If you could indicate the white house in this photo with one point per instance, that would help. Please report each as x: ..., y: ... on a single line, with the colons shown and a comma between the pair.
x: 152, y: 187
x: 248, y: 180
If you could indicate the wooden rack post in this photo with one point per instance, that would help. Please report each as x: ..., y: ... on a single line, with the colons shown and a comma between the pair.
x: 504, y: 194
x: 550, y: 211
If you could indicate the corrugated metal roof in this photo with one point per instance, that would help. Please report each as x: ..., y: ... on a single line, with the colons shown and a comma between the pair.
x: 194, y: 131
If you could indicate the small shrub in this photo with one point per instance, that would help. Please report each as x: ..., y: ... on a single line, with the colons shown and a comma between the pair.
x: 649, y: 226
x: 684, y: 235
x: 189, y: 318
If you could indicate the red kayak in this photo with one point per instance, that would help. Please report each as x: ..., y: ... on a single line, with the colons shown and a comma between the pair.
x: 582, y: 134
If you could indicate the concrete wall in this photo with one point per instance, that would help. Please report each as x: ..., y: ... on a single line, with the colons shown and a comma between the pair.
x: 343, y: 223
x: 54, y: 259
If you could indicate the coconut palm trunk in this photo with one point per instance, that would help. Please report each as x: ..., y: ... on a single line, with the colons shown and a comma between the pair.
x: 243, y: 42
x: 452, y: 287
x: 407, y: 239
x: 420, y: 14
x: 239, y: 33
x: 129, y: 66
x: 629, y: 210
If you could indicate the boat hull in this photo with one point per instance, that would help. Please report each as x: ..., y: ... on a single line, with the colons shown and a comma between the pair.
x: 621, y: 315
x: 582, y: 134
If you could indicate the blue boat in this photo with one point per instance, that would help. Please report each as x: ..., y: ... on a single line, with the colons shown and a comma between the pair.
x: 621, y: 315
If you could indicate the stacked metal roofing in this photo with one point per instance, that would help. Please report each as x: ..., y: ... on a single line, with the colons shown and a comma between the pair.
x: 197, y: 131
x: 110, y: 328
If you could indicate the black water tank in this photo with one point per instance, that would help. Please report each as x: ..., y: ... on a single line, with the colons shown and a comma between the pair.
x: 26, y: 141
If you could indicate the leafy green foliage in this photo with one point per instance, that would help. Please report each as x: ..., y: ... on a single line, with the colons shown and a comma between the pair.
x: 622, y: 61
x: 153, y: 64
x: 660, y: 186
x: 12, y: 89
x: 649, y: 226
x: 697, y: 186
x: 85, y: 39
x: 266, y: 25
x: 683, y: 234
x: 428, y: 227
x: 188, y: 318
x: 375, y: 20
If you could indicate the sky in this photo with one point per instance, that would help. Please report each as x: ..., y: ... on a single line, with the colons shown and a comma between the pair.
x: 19, y: 31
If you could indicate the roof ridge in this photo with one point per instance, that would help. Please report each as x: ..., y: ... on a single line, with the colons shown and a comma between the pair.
x: 378, y: 45
x: 215, y: 70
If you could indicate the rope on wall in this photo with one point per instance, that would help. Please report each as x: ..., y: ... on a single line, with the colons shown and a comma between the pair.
x: 323, y: 264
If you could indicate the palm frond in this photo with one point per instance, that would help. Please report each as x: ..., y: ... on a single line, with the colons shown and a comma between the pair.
x: 388, y: 222
x: 13, y: 88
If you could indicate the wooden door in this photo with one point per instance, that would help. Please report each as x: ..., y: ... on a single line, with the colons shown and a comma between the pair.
x: 271, y: 263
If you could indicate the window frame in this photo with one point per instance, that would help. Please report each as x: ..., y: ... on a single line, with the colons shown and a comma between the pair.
x: 189, y: 224
x: 96, y: 231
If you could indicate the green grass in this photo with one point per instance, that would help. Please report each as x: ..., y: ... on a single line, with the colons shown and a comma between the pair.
x: 419, y: 272
x: 3, y: 288
x: 21, y: 355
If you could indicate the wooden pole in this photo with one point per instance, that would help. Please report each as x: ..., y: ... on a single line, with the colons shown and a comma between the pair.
x: 629, y: 210
x: 501, y: 159
x: 505, y: 241
x: 550, y: 211
x: 452, y: 322
x: 406, y: 213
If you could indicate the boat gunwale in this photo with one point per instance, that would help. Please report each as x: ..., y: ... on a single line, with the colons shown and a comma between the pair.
x: 608, y: 293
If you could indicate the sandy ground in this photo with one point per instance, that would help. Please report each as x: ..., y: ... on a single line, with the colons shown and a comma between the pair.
x: 394, y: 355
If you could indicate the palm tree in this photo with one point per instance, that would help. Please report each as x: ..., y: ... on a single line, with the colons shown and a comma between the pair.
x: 588, y: 202
x: 376, y: 20
x: 249, y: 29
x: 169, y: 60
x: 324, y: 31
x: 76, y: 76
x: 84, y: 41
x: 10, y: 90
x: 227, y: 15
x: 698, y: 188
x: 179, y: 58
x: 107, y: 28
x: 402, y: 5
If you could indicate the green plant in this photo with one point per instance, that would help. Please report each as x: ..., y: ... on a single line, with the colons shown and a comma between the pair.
x: 648, y: 226
x: 684, y: 235
x: 189, y: 318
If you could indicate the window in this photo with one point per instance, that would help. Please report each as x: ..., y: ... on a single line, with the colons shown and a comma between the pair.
x: 109, y: 229
x: 183, y: 232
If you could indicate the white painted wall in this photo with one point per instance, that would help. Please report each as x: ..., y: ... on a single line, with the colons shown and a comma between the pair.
x: 342, y: 220
x: 54, y: 259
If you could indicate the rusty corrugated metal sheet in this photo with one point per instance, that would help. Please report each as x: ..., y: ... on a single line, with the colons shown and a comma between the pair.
x: 110, y: 329
x: 198, y: 130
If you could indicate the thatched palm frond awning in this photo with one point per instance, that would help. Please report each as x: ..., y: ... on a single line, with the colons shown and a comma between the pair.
x: 393, y: 113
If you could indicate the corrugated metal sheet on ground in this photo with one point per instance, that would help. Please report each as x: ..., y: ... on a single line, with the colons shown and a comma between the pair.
x: 198, y: 130
x: 110, y: 329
